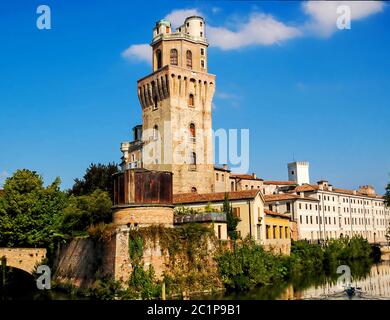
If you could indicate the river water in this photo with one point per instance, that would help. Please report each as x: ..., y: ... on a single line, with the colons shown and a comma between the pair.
x: 373, y: 284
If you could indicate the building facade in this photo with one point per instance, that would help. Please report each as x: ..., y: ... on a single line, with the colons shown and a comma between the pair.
x: 323, y: 211
x: 176, y: 136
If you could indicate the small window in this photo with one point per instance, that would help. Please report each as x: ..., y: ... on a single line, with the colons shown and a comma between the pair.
x: 189, y: 59
x: 202, y: 63
x: 193, y: 158
x: 201, y: 23
x: 167, y: 30
x: 193, y: 189
x: 173, y: 57
x: 202, y: 51
x: 159, y: 59
x: 192, y: 132
x: 155, y: 103
x: 155, y: 132
x: 191, y: 100
x: 201, y: 34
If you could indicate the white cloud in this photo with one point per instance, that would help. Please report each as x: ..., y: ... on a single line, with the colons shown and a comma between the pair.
x: 264, y: 29
x: 323, y: 14
x: 138, y: 52
x: 261, y: 29
x: 177, y: 17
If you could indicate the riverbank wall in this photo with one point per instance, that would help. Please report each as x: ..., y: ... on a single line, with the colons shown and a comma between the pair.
x: 187, y: 261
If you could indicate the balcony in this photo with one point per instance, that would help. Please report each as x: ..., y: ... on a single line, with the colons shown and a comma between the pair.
x: 132, y: 165
x: 200, y: 217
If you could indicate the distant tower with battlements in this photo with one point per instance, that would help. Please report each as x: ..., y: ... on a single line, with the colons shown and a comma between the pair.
x: 298, y: 172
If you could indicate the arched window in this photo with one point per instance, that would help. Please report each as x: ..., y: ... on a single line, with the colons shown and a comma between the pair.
x: 192, y: 132
x: 155, y: 103
x: 193, y: 189
x: 159, y: 59
x: 232, y: 186
x: 193, y: 158
x: 155, y: 132
x: 191, y: 100
x: 173, y: 57
x: 154, y: 95
x: 189, y: 59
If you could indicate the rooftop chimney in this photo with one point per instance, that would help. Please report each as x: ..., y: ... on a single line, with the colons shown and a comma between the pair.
x: 367, y: 189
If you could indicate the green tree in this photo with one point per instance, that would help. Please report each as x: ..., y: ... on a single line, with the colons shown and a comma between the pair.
x: 97, y: 176
x: 388, y: 233
x: 387, y: 195
x: 232, y: 220
x: 87, y: 210
x: 30, y: 214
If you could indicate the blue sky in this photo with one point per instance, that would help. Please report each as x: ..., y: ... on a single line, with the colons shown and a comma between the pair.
x: 304, y: 88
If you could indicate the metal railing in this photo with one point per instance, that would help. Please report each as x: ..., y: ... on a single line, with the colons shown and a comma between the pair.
x: 201, y: 217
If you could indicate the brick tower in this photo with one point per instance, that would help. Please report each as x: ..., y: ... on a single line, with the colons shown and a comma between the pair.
x: 176, y: 107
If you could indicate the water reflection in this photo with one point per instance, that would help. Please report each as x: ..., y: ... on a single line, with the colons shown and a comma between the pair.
x: 372, y: 281
x: 375, y: 284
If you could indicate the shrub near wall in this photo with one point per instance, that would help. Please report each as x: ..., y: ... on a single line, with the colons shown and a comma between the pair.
x: 249, y: 265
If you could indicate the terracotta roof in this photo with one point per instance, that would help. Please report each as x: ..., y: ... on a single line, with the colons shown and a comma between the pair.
x: 286, y: 196
x: 287, y: 183
x: 244, y: 176
x: 313, y: 187
x: 273, y: 213
x: 306, y: 187
x: 212, y: 197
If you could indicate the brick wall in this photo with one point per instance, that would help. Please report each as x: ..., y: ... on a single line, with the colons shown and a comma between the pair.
x: 23, y: 258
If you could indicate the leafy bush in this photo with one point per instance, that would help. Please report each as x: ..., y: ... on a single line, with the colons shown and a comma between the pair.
x: 144, y: 283
x: 101, y: 231
x: 86, y: 210
x: 249, y: 266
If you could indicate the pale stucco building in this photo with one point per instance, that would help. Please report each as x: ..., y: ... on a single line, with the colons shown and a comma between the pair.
x: 323, y: 211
